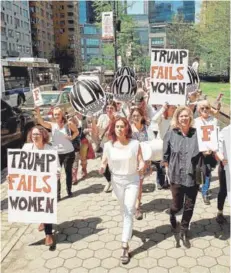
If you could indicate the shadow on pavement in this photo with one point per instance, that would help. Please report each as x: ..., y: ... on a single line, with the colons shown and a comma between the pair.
x: 160, y: 204
x: 148, y: 187
x: 95, y: 188
x: 73, y: 231
x: 198, y: 229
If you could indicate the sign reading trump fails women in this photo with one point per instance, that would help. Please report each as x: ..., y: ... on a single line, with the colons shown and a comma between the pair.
x: 168, y: 76
x: 32, y: 188
x: 88, y: 98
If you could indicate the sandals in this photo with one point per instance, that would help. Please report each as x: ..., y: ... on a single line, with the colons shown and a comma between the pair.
x: 49, y: 241
x: 138, y: 214
x: 125, y: 258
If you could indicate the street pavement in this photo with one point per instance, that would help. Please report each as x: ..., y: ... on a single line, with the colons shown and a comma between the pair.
x: 88, y: 235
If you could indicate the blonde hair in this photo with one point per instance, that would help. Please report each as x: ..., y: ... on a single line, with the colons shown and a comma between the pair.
x: 178, y: 111
x: 63, y: 115
x: 202, y: 103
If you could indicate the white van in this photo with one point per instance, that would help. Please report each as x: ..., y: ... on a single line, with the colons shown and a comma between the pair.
x: 89, y: 77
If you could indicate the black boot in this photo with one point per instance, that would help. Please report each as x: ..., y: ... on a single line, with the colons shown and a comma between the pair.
x: 184, y: 237
x: 221, y: 219
x: 173, y: 221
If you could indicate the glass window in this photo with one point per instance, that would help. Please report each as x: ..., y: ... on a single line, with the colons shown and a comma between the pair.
x: 82, y: 41
x: 157, y: 41
x: 26, y: 25
x: 7, y: 18
x: 70, y: 14
x: 8, y: 5
x: 4, y: 45
x: 27, y: 38
x: 90, y: 30
x: 62, y: 23
x: 62, y: 15
x: 27, y: 49
x: 2, y: 17
x: 10, y: 33
x: 19, y: 48
x: 93, y: 42
x: 42, y: 12
x: 20, y: 11
x: 16, y: 22
x: 11, y: 20
x: 71, y: 29
x: 92, y: 50
x: 3, y: 31
x: 32, y: 9
x: 157, y: 29
x: 70, y: 22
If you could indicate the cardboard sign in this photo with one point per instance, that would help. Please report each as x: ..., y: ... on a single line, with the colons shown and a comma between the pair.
x: 226, y: 151
x: 88, y: 98
x: 124, y: 88
x: 207, y: 136
x: 107, y: 26
x: 124, y: 71
x: 193, y: 80
x: 38, y: 100
x: 32, y: 189
x: 168, y: 76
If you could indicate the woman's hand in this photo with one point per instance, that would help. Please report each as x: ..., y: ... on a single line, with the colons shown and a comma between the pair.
x: 102, y: 170
x: 141, y: 167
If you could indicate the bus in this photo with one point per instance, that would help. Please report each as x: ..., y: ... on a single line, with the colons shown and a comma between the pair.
x: 19, y: 76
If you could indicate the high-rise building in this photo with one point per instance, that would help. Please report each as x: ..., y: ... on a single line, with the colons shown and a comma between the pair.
x: 86, y: 12
x: 42, y: 30
x: 160, y: 13
x: 15, y: 29
x: 67, y: 29
x: 146, y: 6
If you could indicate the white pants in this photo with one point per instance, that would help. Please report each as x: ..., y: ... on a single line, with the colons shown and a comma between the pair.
x: 126, y: 194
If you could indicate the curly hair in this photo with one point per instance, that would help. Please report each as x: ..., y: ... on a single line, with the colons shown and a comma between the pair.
x: 178, y: 111
x: 111, y: 132
x: 43, y: 131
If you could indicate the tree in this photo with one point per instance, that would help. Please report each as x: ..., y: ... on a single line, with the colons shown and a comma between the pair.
x: 65, y: 60
x: 214, y: 31
x: 183, y: 35
x: 126, y: 36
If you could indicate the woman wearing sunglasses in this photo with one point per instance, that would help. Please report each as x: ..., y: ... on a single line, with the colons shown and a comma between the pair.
x: 205, y: 118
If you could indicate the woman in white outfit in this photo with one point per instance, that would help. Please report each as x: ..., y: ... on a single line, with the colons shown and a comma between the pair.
x: 123, y: 155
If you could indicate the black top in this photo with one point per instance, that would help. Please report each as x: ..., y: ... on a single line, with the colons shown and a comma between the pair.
x: 182, y: 154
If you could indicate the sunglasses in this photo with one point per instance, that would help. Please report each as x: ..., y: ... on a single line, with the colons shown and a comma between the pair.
x: 205, y: 108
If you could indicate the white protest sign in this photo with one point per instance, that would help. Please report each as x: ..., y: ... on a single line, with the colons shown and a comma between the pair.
x: 168, y: 76
x: 38, y: 100
x: 226, y: 150
x: 107, y: 26
x: 207, y: 136
x: 32, y: 189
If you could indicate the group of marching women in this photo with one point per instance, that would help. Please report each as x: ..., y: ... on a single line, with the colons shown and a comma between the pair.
x: 117, y: 134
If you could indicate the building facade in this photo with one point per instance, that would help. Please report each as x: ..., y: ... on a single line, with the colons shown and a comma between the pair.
x: 42, y: 31
x: 15, y: 29
x: 91, y: 42
x: 67, y: 29
x: 160, y: 13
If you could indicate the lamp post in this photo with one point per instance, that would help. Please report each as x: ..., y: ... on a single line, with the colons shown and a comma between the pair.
x: 115, y: 34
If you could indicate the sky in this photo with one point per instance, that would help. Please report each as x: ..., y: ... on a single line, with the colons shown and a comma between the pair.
x: 137, y: 7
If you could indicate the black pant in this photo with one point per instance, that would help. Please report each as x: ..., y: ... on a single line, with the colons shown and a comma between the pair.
x: 160, y: 174
x: 66, y: 160
x: 183, y: 197
x: 48, y: 229
x: 223, y: 188
x: 107, y: 174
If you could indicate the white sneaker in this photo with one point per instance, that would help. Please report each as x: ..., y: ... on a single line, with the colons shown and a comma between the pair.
x: 107, y: 188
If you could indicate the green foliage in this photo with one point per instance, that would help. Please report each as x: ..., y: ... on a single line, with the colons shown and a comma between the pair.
x: 215, y: 35
x: 183, y: 35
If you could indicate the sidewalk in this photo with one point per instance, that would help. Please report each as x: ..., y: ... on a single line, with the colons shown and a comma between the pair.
x: 89, y: 235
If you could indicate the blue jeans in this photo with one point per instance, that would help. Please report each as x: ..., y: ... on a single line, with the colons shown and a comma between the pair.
x: 205, y: 187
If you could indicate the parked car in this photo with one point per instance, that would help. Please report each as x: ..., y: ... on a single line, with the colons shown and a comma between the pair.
x: 51, y: 100
x: 15, y: 125
x: 68, y: 88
